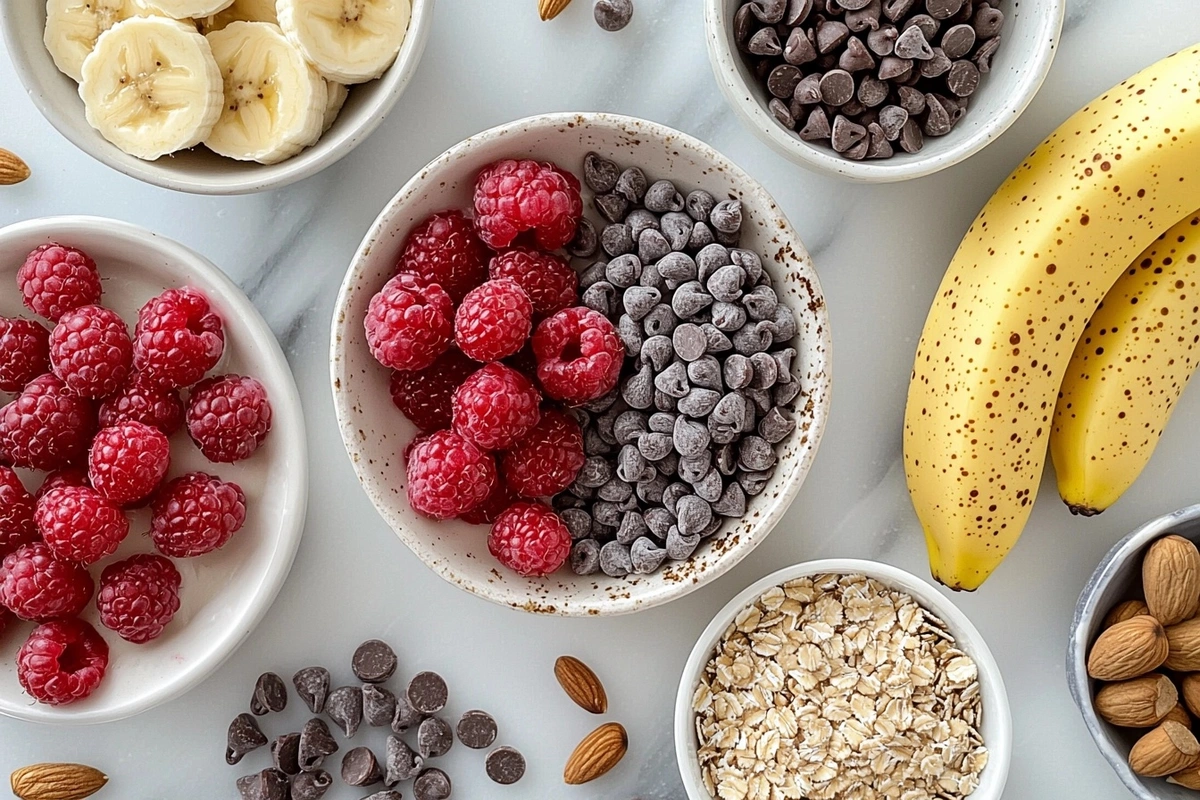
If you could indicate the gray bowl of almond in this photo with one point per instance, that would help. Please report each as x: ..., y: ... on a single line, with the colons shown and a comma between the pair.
x: 1133, y: 661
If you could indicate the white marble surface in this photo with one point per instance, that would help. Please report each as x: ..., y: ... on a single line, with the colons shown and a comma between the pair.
x: 880, y: 252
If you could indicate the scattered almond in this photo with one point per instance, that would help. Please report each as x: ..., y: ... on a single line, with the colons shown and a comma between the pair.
x: 1137, y: 703
x: 12, y: 168
x: 57, y: 781
x: 600, y: 751
x: 549, y: 9
x: 1128, y: 649
x: 1188, y: 778
x: 581, y: 684
x: 1183, y: 642
x: 1171, y: 579
x: 1123, y: 611
x: 1164, y: 751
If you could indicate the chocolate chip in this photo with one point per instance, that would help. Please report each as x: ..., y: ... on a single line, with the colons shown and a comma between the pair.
x: 585, y: 557
x: 599, y: 173
x: 837, y: 87
x: 831, y: 34
x: 958, y: 41
x: 345, y: 708
x: 987, y: 21
x: 983, y: 56
x: 911, y: 139
x: 891, y: 121
x: 379, y: 705
x: 677, y: 268
x: 585, y: 242
x: 799, y: 49
x: 660, y: 321
x: 427, y: 692
x: 617, y: 239
x: 676, y: 227
x: 374, y: 661
x: 639, y: 301
x: 359, y: 767
x: 882, y: 41
x: 386, y: 794
x: 612, y: 16
x: 615, y: 559
x: 937, y: 121
x: 856, y: 57
x: 285, y: 753
x: 817, y: 127
x: 434, y: 737
x: 911, y: 100
x: 243, y: 736
x: 690, y: 437
x: 963, y: 79
x: 270, y: 784
x: 680, y: 547
x: 631, y: 335
x: 937, y: 66
x: 315, y: 744
x: 612, y: 206
x: 402, y: 763
x: 312, y: 686
x: 632, y: 185
x: 476, y: 729
x: 913, y: 44
x: 943, y: 9
x: 505, y: 765
x: 311, y: 785
x: 690, y: 299
x: 732, y: 502
x: 726, y: 216
x: 893, y: 67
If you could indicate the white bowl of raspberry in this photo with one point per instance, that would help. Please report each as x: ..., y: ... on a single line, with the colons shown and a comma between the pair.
x: 574, y: 531
x: 124, y: 620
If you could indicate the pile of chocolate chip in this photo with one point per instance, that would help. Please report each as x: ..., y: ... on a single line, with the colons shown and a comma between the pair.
x: 298, y: 758
x: 865, y: 75
x: 706, y: 391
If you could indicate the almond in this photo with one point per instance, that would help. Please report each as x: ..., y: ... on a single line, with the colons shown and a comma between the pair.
x: 1171, y: 579
x: 1166, y: 750
x: 57, y: 781
x: 1179, y: 714
x: 1188, y: 778
x: 1128, y: 649
x: 1123, y: 611
x: 549, y: 9
x: 599, y: 752
x: 12, y: 168
x: 1189, y: 688
x: 581, y: 684
x: 1183, y: 641
x: 1138, y: 703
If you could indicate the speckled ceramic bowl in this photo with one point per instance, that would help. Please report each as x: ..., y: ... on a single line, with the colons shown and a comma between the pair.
x: 375, y: 433
x: 1118, y: 578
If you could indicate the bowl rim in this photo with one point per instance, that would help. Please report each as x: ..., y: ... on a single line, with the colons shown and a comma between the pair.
x: 723, y: 59
x: 637, y: 599
x: 1078, y: 641
x: 289, y: 424
x: 330, y: 148
x: 999, y: 748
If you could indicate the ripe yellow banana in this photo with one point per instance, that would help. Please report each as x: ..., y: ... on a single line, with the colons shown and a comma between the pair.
x: 1025, y: 280
x: 1134, y: 361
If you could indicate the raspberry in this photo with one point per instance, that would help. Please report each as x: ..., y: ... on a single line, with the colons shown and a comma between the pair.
x: 424, y: 396
x: 516, y: 196
x: 409, y: 323
x: 37, y: 585
x: 24, y: 352
x: 79, y: 524
x: 447, y: 475
x: 68, y: 476
x: 17, y: 525
x: 445, y: 250
x: 548, y: 280
x: 46, y: 427
x: 493, y: 321
x: 547, y: 460
x: 530, y: 539
x: 579, y: 355
x: 55, y: 279
x: 485, y: 513
x: 195, y: 514
x: 228, y: 417
x: 138, y: 596
x: 178, y: 338
x: 62, y: 662
x: 495, y: 406
x: 128, y: 461
x: 143, y: 400
x: 91, y: 351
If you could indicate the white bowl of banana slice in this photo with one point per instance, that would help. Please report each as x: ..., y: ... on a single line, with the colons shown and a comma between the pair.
x: 216, y: 96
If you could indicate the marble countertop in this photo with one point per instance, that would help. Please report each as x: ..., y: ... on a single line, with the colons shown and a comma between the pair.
x: 880, y: 252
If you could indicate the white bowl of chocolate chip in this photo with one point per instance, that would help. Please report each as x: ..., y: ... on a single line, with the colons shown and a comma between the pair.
x: 603, y: 509
x: 877, y: 91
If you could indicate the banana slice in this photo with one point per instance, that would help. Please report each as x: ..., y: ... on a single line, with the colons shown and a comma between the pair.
x: 151, y: 86
x: 274, y: 100
x: 240, y: 11
x: 194, y: 9
x: 350, y: 41
x: 338, y: 92
x: 73, y: 26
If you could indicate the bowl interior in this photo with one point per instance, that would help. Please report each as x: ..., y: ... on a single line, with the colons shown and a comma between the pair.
x: 199, y: 169
x: 376, y: 433
x: 1029, y: 39
x: 225, y: 593
x: 1119, y: 578
x: 996, y: 727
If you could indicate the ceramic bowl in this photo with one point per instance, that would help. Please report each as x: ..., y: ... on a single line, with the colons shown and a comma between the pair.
x: 1030, y: 38
x: 225, y: 593
x: 375, y: 433
x: 996, y: 727
x: 1119, y: 577
x: 199, y: 170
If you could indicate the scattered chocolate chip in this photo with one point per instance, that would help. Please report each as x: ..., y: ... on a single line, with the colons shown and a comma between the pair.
x: 386, y: 794
x: 270, y: 694
x: 611, y: 15
x: 379, y: 705
x: 345, y: 708
x: 315, y: 744
x: 360, y: 768
x: 505, y: 765
x: 270, y: 784
x: 285, y: 753
x: 434, y: 737
x: 243, y: 737
x: 406, y: 716
x: 402, y: 763
x: 312, y: 686
x: 477, y: 729
x: 311, y: 785
x: 432, y: 784
x: 599, y: 173
x: 963, y: 79
x: 427, y: 692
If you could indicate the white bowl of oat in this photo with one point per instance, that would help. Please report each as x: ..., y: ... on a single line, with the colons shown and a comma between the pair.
x: 830, y: 677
